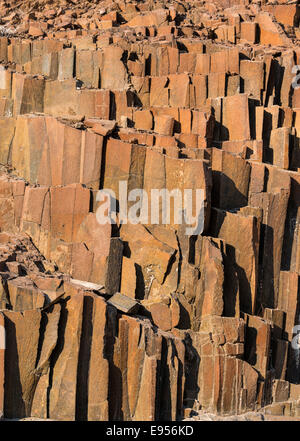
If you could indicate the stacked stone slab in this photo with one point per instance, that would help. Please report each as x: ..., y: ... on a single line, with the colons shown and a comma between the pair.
x: 141, y: 321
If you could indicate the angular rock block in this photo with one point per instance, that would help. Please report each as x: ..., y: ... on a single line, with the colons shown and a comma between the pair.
x: 244, y: 252
x: 105, y: 252
x: 22, y: 340
x: 150, y: 319
x: 48, y: 152
x: 231, y: 175
x: 228, y: 383
x: 28, y: 94
x: 236, y: 117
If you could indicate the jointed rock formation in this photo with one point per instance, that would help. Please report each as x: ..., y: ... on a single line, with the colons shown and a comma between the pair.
x: 144, y: 322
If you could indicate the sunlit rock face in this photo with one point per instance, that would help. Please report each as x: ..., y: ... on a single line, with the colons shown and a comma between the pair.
x: 149, y: 210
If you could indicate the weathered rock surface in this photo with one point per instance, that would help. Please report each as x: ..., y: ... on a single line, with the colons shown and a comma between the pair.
x: 140, y: 320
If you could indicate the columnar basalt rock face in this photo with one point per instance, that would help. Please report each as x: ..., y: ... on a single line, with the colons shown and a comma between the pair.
x: 140, y: 320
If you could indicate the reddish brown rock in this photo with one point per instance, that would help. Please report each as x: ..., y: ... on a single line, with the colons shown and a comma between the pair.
x: 40, y: 403
x: 245, y: 256
x: 236, y: 127
x: 63, y: 391
x: 105, y: 262
x: 189, y: 97
x: 24, y: 295
x: 2, y: 360
x: 22, y: 339
x: 164, y: 125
